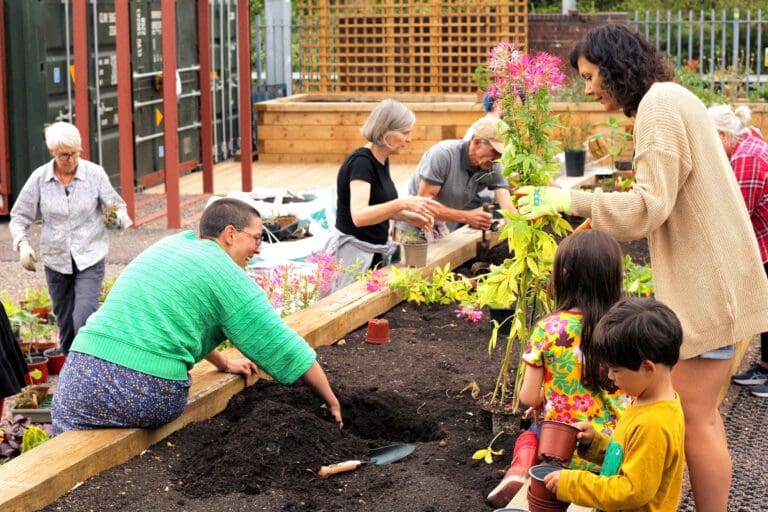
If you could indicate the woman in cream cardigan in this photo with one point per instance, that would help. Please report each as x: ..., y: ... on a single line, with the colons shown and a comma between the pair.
x: 686, y: 201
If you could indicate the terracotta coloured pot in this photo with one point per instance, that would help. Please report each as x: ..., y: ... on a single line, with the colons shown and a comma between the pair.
x: 378, y: 331
x: 38, y: 370
x: 56, y: 359
x: 557, y: 442
x: 538, y: 505
x: 537, y: 488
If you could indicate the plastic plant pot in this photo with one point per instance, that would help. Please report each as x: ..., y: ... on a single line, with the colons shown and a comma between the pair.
x: 537, y: 488
x: 538, y: 505
x: 56, y: 359
x: 557, y: 442
x: 38, y: 370
x: 416, y: 254
x: 378, y: 331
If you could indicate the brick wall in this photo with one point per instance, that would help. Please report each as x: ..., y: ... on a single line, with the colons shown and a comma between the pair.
x: 558, y: 33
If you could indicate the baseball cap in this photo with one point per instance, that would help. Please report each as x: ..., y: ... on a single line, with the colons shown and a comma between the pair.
x: 493, y: 130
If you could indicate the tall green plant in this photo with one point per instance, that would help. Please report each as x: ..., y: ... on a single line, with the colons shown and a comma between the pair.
x: 525, y: 85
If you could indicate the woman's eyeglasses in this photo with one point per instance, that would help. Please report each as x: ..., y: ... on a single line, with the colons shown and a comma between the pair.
x: 256, y: 238
x: 64, y: 157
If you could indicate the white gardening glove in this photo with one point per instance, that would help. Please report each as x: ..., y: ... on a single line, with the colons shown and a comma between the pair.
x: 27, y: 256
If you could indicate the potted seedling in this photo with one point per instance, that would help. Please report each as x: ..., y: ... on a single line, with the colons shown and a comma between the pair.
x: 32, y: 334
x: 482, y: 79
x: 414, y: 247
x: 39, y: 303
x: 612, y: 141
x: 574, y: 139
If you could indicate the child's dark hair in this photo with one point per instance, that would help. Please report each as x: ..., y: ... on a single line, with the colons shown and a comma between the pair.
x: 638, y: 329
x: 587, y: 274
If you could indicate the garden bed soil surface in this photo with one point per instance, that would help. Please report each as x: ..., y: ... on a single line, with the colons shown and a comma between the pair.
x: 258, y: 454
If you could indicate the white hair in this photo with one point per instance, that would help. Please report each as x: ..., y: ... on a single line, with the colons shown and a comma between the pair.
x: 62, y: 134
x: 733, y: 123
x: 388, y: 116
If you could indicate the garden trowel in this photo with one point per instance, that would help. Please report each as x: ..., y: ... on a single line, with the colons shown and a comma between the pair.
x: 379, y: 456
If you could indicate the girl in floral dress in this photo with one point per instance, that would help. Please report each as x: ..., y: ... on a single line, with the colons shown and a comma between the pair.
x: 561, y: 376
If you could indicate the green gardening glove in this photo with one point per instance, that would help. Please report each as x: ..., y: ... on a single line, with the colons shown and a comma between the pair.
x: 535, y: 202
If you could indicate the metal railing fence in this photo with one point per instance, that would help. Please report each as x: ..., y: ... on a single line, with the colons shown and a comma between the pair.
x: 727, y: 48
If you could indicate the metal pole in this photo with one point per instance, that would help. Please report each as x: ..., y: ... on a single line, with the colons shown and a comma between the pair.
x: 758, y: 68
x: 171, y: 119
x: 690, y: 35
x: 230, y: 83
x: 124, y: 106
x: 214, y: 81
x: 96, y: 79
x: 223, y: 72
x: 747, y: 47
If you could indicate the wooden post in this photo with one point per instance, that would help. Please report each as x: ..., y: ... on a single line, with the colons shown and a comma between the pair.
x: 244, y: 58
x: 206, y: 103
x: 171, y: 119
x: 125, y: 104
x: 80, y: 43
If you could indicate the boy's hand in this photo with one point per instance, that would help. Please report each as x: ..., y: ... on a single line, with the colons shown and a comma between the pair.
x: 587, y: 433
x: 551, y: 480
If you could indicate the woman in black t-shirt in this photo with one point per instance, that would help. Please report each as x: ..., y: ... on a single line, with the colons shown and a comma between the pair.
x: 367, y: 196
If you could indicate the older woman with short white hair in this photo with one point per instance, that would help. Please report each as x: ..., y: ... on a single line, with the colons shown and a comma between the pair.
x: 77, y: 205
x: 367, y: 196
x: 748, y: 155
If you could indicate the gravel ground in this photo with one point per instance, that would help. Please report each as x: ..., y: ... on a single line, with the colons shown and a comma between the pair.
x: 124, y: 245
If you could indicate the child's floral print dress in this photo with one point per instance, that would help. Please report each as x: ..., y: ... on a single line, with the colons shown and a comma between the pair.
x: 556, y: 345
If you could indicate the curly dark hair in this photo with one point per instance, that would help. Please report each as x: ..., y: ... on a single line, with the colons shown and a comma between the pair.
x: 628, y: 63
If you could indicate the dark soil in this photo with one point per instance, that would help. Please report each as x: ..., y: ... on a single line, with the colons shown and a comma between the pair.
x: 259, y: 453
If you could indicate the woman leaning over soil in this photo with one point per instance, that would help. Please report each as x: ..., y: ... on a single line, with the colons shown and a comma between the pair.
x: 704, y: 256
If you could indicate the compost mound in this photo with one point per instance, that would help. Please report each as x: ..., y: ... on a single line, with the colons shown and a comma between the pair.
x: 267, y: 438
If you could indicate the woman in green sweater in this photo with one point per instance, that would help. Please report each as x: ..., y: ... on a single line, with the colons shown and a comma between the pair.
x: 170, y: 308
x: 686, y: 201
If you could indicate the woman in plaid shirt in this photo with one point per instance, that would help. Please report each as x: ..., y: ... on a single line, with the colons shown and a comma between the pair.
x: 748, y: 154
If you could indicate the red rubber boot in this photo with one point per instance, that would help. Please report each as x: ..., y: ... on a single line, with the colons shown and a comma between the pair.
x: 523, y: 457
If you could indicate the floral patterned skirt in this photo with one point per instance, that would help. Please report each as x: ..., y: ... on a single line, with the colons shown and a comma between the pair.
x: 93, y: 393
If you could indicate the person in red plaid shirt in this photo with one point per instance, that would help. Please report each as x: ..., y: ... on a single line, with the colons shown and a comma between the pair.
x: 748, y: 154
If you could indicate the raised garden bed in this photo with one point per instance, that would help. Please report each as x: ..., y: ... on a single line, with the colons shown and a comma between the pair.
x: 256, y: 455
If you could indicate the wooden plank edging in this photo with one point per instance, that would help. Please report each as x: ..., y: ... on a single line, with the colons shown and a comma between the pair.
x: 39, y: 477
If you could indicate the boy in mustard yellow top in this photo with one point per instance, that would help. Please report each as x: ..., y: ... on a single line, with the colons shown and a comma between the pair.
x: 642, y: 462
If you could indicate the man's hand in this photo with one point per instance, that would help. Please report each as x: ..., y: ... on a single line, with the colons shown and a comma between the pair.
x: 479, y: 218
x: 535, y: 202
x: 27, y: 256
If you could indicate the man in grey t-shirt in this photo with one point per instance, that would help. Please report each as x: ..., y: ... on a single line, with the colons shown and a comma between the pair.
x: 454, y: 172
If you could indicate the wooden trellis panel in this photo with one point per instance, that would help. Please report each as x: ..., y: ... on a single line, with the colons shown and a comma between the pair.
x: 407, y: 46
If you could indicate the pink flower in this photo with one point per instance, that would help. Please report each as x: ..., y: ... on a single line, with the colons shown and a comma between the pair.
x: 469, y: 314
x: 375, y: 281
x: 517, y: 72
x: 559, y: 402
x: 582, y: 402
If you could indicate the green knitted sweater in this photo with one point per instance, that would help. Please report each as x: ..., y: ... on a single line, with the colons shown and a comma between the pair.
x: 176, y: 302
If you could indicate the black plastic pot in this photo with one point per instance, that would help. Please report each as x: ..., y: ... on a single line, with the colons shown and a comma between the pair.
x: 574, y: 163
